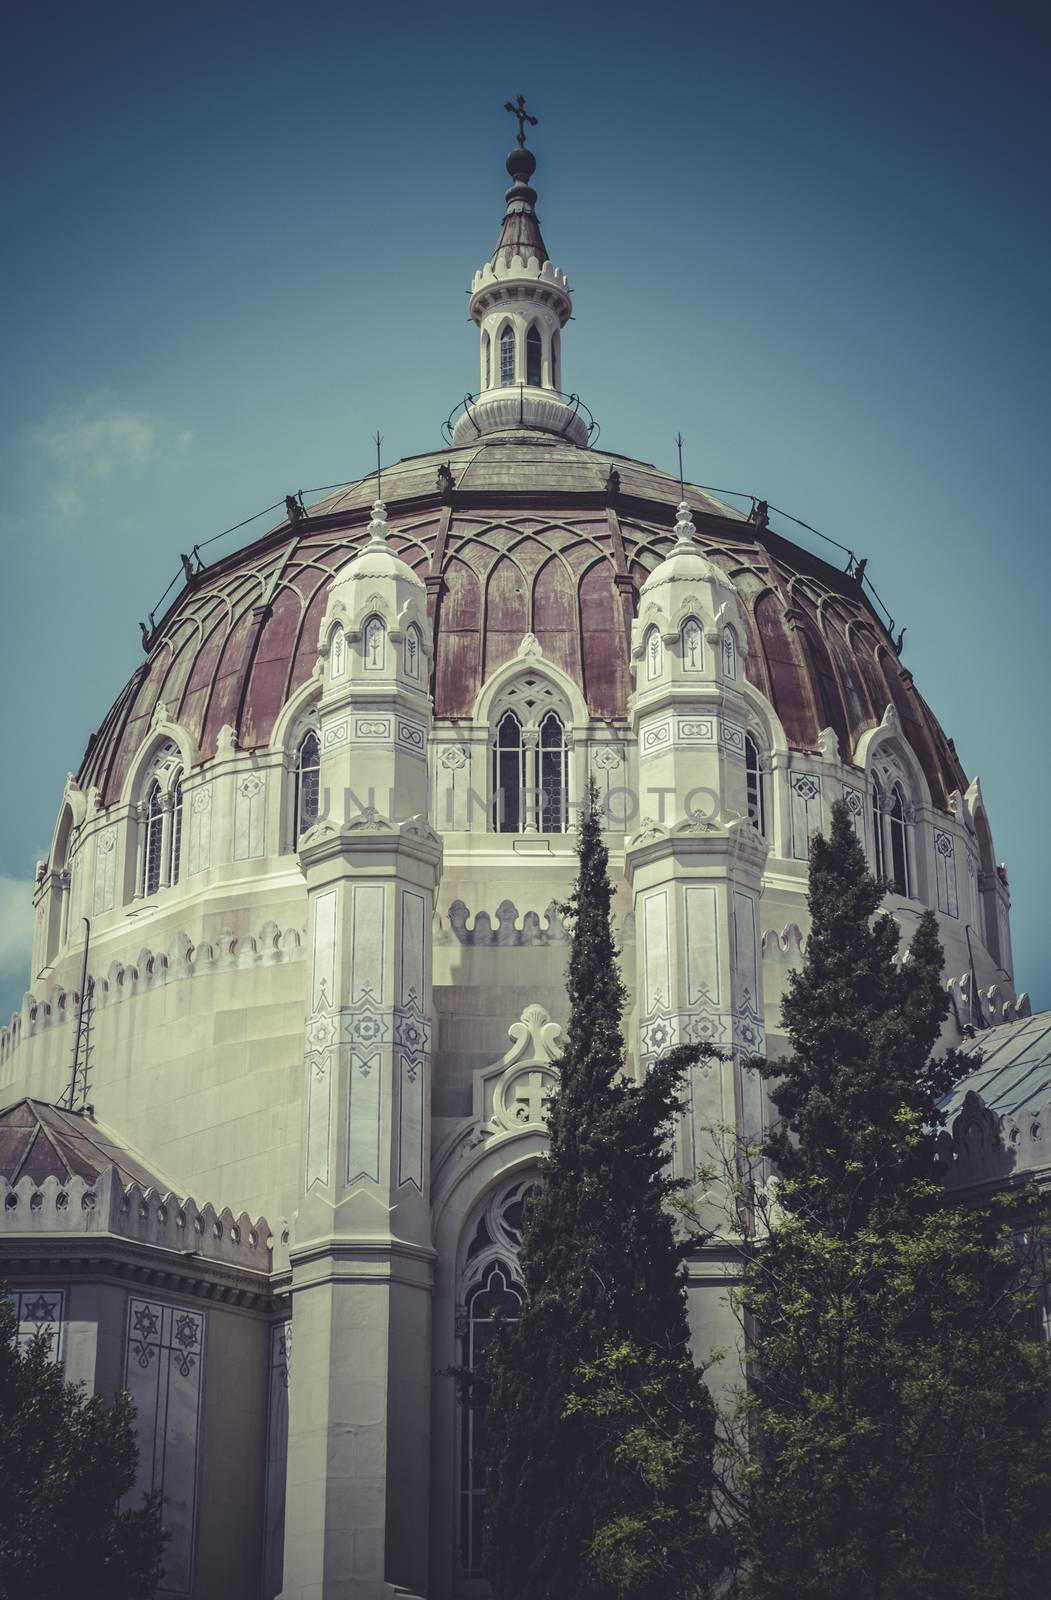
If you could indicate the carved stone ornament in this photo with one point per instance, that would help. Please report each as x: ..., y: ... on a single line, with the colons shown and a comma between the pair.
x: 516, y: 1089
x: 529, y: 648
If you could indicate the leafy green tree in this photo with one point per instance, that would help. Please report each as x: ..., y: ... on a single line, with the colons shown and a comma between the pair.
x: 567, y: 1512
x: 893, y: 1438
x: 66, y: 1459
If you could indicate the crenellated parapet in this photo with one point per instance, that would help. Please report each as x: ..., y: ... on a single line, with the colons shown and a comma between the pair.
x: 104, y: 1205
x: 271, y: 946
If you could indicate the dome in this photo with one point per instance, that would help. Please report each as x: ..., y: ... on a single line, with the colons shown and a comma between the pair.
x: 521, y: 534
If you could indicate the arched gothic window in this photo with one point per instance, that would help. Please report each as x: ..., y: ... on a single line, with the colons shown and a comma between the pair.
x: 487, y: 354
x: 533, y: 352
x: 507, y: 356
x: 554, y: 775
x: 374, y: 645
x: 692, y: 646
x: 508, y: 774
x: 753, y: 778
x: 899, y: 843
x: 413, y: 653
x: 308, y: 783
x: 654, y: 653
x: 496, y: 1296
x: 492, y: 1288
x: 153, y: 843
x: 175, y: 853
x: 878, y: 853
x: 555, y: 374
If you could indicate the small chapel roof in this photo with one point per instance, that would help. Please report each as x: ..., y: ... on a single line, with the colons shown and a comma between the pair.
x: 1015, y: 1068
x: 39, y: 1141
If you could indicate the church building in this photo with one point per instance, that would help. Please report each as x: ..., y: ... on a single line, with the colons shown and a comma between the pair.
x: 276, y: 1095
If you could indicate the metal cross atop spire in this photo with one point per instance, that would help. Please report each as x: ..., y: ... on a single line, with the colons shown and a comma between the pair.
x: 517, y: 109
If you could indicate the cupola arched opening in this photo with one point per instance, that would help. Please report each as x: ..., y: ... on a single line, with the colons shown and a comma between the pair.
x: 487, y: 359
x: 507, y: 356
x: 534, y: 357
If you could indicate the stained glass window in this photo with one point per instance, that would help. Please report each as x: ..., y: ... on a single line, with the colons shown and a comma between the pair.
x: 153, y: 841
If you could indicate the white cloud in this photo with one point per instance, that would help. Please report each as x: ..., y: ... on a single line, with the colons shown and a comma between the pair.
x: 16, y: 927
x: 97, y: 440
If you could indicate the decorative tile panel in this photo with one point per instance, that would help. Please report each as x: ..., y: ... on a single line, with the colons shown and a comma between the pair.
x: 40, y: 1311
x: 276, y: 1459
x: 105, y: 871
x: 805, y: 791
x: 163, y: 1369
x: 249, y: 815
x: 945, y: 873
x: 199, y: 830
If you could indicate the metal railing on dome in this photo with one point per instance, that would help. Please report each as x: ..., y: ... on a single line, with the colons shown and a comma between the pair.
x: 193, y: 565
x: 578, y: 408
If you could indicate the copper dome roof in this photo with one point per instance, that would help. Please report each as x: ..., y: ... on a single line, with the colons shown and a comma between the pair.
x: 532, y: 534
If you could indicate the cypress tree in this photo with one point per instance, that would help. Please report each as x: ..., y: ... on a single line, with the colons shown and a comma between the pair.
x: 894, y: 1437
x: 604, y: 1281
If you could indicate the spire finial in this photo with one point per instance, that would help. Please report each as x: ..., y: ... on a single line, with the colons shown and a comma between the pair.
x: 682, y: 487
x: 517, y: 109
x: 379, y: 468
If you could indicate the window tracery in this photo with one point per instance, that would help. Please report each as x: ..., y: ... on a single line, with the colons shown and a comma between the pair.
x: 491, y: 1287
x: 160, y: 816
x: 530, y: 758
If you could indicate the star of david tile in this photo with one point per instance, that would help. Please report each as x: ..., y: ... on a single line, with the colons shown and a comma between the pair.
x: 41, y: 1310
x: 186, y: 1331
x: 145, y: 1322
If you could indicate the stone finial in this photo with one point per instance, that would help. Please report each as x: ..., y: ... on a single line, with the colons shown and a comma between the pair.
x: 378, y: 529
x: 685, y: 532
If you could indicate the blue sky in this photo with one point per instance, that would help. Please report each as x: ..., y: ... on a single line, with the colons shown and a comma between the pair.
x: 813, y: 238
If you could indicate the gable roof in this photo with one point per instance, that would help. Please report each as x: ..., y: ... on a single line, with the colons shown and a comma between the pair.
x: 39, y: 1141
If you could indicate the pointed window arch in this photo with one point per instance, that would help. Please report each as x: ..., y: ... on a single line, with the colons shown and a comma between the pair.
x: 153, y: 840
x: 413, y: 653
x: 487, y: 357
x: 534, y: 355
x: 337, y: 652
x: 899, y: 841
x: 753, y: 777
x: 374, y: 645
x: 507, y: 356
x: 554, y: 775
x: 654, y: 651
x: 692, y: 640
x: 556, y: 375
x: 508, y: 773
x: 308, y: 783
x: 491, y: 1289
x: 496, y: 1296
x: 175, y: 849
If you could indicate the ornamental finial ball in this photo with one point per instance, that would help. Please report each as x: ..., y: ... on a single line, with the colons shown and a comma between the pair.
x: 521, y: 164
